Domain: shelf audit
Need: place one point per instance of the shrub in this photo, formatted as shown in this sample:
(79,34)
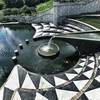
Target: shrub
(11,11)
(14,11)
(25,10)
(7,11)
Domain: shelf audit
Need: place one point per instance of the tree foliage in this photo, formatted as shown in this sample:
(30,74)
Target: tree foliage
(13,3)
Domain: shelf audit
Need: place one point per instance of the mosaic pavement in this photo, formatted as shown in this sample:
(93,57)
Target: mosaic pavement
(81,82)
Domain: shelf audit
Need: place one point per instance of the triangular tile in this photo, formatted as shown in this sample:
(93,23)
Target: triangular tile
(98,72)
(28,84)
(70,76)
(64,94)
(22,73)
(13,80)
(50,79)
(1,93)
(35,79)
(72,71)
(80,84)
(62,76)
(87,69)
(91,58)
(81,77)
(40,97)
(95,84)
(59,81)
(16,96)
(7,94)
(91,65)
(93,94)
(27,94)
(78,70)
(51,94)
(98,78)
(83,59)
(90,61)
(82,64)
(44,84)
(88,73)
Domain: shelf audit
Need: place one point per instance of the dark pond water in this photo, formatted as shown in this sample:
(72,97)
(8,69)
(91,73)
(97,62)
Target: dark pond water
(10,37)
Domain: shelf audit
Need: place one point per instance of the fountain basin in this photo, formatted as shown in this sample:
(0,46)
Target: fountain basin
(48,50)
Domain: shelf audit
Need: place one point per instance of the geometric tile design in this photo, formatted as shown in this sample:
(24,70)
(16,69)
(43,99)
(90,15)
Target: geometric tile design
(63,86)
(70,76)
(59,81)
(51,94)
(91,58)
(28,84)
(16,96)
(50,29)
(27,94)
(7,94)
(69,87)
(13,78)
(78,70)
(80,83)
(40,97)
(44,84)
(64,94)
(82,64)
(98,78)
(88,73)
(91,65)
(93,94)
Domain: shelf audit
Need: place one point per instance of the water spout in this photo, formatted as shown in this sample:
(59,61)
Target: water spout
(48,49)
(50,41)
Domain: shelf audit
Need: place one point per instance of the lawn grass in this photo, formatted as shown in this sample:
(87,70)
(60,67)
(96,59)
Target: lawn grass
(44,6)
(92,21)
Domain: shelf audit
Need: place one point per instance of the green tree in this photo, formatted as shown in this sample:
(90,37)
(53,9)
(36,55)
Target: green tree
(14,3)
(25,10)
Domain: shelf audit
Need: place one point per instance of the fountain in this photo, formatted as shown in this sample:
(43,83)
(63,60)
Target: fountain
(55,53)
(48,49)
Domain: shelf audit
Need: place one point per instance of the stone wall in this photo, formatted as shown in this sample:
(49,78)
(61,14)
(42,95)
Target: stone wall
(59,11)
(40,17)
(67,9)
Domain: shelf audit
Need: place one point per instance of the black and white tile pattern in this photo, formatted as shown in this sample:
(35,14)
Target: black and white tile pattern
(23,85)
(49,29)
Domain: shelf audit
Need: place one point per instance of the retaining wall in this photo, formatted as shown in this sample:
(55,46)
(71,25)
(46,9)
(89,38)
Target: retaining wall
(59,11)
